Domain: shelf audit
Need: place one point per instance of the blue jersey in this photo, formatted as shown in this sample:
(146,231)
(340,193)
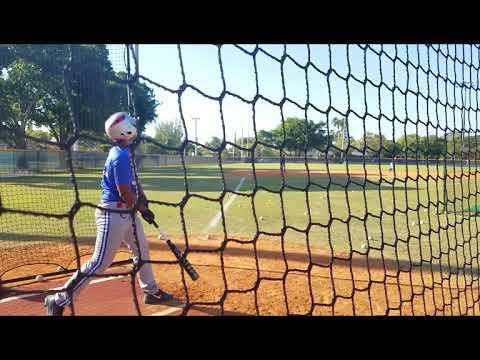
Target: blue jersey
(117,170)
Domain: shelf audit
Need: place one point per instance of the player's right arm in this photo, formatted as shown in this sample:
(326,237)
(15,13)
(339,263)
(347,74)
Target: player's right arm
(123,179)
(130,198)
(127,195)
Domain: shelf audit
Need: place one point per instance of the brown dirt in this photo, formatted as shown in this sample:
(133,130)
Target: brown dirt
(358,286)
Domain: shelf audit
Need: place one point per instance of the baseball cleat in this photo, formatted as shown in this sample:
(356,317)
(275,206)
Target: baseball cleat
(158,298)
(52,308)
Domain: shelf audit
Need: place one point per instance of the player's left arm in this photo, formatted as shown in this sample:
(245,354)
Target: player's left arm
(142,198)
(142,204)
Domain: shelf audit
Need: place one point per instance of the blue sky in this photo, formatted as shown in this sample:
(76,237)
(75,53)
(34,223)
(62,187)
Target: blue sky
(161,63)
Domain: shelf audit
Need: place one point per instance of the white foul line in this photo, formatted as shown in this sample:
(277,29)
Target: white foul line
(167,311)
(217,217)
(96,281)
(18,297)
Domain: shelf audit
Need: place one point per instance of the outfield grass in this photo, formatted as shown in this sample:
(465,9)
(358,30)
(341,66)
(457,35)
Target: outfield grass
(346,216)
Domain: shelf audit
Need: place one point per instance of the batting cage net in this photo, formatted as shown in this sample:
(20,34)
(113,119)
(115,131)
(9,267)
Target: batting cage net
(293,179)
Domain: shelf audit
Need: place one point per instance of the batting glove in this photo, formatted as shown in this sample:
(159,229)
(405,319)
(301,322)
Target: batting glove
(148,215)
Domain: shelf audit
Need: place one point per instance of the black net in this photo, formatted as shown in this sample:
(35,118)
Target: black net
(315,179)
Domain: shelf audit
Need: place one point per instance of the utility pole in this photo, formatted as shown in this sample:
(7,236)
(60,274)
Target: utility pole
(343,138)
(246,139)
(196,135)
(241,144)
(464,100)
(137,70)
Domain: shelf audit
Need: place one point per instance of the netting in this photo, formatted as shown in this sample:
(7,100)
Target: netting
(343,178)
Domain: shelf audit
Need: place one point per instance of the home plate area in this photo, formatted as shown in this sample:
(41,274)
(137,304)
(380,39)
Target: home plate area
(107,296)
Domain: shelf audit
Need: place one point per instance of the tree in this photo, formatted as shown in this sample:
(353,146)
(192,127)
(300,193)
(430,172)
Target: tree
(33,92)
(38,134)
(21,90)
(300,135)
(375,143)
(91,83)
(411,145)
(454,145)
(266,137)
(215,142)
(264,151)
(93,95)
(432,147)
(339,125)
(169,133)
(339,134)
(143,99)
(472,146)
(392,149)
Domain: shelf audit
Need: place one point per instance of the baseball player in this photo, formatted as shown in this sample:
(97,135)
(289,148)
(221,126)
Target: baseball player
(390,167)
(119,191)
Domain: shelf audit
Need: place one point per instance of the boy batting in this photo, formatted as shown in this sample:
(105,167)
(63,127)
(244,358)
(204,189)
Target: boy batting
(119,191)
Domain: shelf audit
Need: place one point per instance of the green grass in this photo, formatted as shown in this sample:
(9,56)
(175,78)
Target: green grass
(337,214)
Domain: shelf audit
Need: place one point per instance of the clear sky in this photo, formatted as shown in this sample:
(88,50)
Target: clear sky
(201,65)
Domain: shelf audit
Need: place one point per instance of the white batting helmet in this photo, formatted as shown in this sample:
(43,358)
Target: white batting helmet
(120,126)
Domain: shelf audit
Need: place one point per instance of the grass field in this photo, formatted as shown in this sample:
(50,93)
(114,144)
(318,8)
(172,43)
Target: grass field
(397,219)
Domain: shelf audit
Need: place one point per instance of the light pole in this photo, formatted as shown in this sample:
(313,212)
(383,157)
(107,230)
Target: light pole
(235,142)
(343,138)
(196,135)
(241,144)
(137,70)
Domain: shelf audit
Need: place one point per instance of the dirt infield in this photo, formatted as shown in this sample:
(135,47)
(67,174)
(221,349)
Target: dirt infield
(243,278)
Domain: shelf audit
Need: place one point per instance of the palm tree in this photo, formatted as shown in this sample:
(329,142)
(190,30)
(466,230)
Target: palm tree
(339,124)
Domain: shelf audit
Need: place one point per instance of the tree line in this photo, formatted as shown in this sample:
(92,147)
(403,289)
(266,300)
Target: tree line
(298,135)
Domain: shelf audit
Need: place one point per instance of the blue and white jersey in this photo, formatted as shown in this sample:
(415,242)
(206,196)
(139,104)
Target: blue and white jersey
(117,170)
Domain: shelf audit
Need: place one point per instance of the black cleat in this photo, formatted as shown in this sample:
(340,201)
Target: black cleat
(52,308)
(158,298)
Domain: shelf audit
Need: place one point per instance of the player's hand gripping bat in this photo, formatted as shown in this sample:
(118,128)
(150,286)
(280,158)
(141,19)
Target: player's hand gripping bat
(184,263)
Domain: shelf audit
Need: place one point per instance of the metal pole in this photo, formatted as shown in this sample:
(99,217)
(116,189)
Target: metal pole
(463,123)
(464,100)
(445,193)
(196,135)
(246,139)
(241,144)
(137,69)
(343,138)
(128,78)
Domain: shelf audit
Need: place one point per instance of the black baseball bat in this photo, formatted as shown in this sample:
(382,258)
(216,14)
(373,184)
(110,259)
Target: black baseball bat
(184,263)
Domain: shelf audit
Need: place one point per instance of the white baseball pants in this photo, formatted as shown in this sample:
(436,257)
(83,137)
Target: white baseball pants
(113,228)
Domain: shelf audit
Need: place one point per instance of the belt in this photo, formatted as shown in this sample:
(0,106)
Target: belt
(114,205)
